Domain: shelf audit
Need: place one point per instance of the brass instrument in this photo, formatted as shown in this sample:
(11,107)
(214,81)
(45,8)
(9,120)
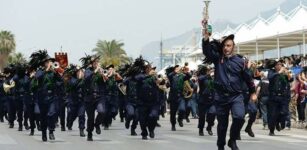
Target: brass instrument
(122,88)
(161,86)
(206,27)
(56,65)
(187,90)
(7,87)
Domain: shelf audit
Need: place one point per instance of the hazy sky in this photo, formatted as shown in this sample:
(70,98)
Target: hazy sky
(78,24)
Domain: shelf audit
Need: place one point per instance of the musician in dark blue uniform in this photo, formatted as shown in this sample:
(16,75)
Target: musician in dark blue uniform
(133,90)
(48,82)
(230,73)
(279,89)
(112,93)
(177,77)
(10,94)
(251,110)
(206,106)
(149,107)
(2,98)
(75,89)
(95,94)
(32,108)
(22,85)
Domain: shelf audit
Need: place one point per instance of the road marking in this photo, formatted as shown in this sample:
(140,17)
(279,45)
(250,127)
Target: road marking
(105,141)
(6,140)
(189,138)
(56,141)
(279,138)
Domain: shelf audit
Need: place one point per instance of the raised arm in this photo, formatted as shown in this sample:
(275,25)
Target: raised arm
(211,50)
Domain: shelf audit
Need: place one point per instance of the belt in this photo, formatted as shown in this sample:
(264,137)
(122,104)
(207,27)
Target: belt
(228,94)
(278,94)
(49,91)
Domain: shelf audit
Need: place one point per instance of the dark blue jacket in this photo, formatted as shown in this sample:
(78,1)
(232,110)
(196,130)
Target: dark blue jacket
(95,85)
(132,90)
(206,89)
(230,72)
(279,84)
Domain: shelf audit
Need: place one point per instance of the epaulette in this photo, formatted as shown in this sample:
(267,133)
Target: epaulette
(239,55)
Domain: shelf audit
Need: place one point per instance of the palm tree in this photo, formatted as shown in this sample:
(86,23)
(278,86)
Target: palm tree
(111,52)
(16,58)
(7,46)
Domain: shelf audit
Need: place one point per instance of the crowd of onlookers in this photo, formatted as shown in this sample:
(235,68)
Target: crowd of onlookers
(295,64)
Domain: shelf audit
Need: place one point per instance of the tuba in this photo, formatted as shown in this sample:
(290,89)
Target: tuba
(7,87)
(187,90)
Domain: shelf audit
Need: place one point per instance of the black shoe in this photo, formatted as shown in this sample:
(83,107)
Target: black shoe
(98,130)
(89,136)
(210,132)
(144,138)
(188,120)
(44,136)
(63,129)
(39,128)
(221,148)
(82,133)
(271,134)
(201,132)
(27,127)
(51,136)
(278,128)
(20,128)
(106,128)
(180,123)
(133,133)
(239,138)
(158,125)
(163,116)
(233,145)
(11,125)
(121,119)
(1,120)
(32,132)
(173,128)
(250,132)
(69,128)
(152,134)
(282,126)
(127,124)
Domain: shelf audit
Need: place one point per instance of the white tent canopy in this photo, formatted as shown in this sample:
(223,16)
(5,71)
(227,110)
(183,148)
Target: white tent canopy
(281,30)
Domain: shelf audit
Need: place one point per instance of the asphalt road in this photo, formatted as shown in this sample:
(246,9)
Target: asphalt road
(118,138)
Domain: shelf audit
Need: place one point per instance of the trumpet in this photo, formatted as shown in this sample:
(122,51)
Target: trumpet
(56,65)
(105,72)
(206,27)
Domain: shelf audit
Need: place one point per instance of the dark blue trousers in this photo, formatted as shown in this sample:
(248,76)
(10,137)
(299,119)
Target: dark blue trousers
(225,104)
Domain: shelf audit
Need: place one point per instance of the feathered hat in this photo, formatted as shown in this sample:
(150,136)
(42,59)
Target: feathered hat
(38,58)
